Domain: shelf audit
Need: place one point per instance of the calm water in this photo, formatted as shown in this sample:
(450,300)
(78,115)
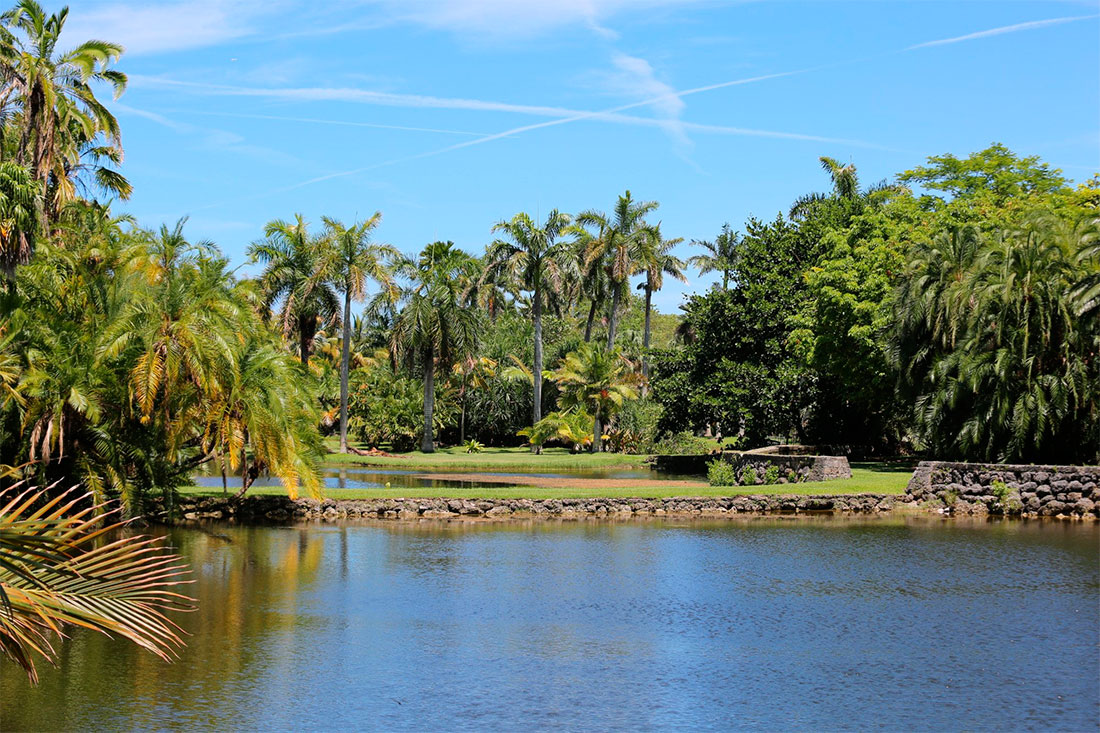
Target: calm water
(371,477)
(755,624)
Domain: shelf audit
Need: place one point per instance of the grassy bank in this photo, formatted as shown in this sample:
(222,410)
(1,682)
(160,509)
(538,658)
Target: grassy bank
(492,459)
(866,478)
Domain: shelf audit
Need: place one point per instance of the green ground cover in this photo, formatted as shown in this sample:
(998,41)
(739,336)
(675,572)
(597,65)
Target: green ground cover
(877,478)
(491,459)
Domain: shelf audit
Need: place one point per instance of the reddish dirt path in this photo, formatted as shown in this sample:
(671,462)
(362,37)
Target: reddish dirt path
(565,482)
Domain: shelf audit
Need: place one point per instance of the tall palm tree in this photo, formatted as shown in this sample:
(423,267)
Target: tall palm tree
(722,254)
(656,259)
(59,568)
(593,281)
(296,275)
(433,327)
(355,260)
(620,237)
(597,381)
(846,190)
(54,91)
(537,261)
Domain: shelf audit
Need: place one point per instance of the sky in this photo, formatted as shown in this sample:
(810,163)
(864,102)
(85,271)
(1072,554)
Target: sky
(450,115)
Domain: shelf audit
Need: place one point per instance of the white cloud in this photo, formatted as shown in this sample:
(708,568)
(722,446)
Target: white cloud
(159,27)
(1003,29)
(634,77)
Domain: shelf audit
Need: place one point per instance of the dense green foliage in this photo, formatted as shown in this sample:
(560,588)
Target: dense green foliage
(964,325)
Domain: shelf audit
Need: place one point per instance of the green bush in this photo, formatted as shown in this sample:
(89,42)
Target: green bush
(636,422)
(771,476)
(792,477)
(1000,490)
(721,473)
(748,476)
(472,446)
(684,443)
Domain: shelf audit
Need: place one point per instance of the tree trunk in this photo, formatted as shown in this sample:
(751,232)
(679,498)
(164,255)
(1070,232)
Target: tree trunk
(462,415)
(427,444)
(304,338)
(345,360)
(612,320)
(536,370)
(645,336)
(597,431)
(591,320)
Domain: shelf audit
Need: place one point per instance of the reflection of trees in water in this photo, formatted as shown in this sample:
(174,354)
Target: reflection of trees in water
(249,582)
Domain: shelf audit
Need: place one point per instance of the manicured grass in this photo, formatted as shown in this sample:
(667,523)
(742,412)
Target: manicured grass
(493,459)
(866,478)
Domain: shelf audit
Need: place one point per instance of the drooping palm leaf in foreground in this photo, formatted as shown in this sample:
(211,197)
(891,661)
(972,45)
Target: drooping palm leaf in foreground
(62,564)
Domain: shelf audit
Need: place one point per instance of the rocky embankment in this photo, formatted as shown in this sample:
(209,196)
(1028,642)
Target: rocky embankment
(1013,490)
(280,508)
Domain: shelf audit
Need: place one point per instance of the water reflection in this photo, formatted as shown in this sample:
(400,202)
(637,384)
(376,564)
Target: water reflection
(759,622)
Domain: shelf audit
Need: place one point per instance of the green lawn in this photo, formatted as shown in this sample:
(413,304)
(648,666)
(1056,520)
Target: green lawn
(875,478)
(492,459)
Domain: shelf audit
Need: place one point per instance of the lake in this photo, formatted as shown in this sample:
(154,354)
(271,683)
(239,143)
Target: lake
(754,623)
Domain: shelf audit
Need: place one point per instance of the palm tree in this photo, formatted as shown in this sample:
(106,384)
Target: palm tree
(355,260)
(597,381)
(536,261)
(59,567)
(846,190)
(617,244)
(296,274)
(20,202)
(656,258)
(593,281)
(723,255)
(433,327)
(54,92)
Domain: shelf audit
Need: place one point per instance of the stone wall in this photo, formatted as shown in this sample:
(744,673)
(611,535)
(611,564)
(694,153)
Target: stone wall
(793,468)
(1022,490)
(281,508)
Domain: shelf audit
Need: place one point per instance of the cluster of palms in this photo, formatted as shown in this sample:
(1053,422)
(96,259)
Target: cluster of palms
(434,305)
(997,335)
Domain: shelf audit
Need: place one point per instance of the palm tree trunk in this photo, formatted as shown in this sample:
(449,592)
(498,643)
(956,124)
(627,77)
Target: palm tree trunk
(645,336)
(304,339)
(597,431)
(345,359)
(462,415)
(591,320)
(536,371)
(427,444)
(612,319)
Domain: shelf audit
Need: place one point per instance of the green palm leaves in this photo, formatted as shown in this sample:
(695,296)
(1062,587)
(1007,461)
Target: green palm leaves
(722,255)
(63,564)
(597,381)
(534,259)
(434,327)
(65,131)
(989,336)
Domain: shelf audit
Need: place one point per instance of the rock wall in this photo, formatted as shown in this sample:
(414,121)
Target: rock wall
(793,468)
(281,508)
(1021,490)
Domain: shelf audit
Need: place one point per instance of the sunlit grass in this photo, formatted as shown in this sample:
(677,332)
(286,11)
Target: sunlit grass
(492,458)
(866,478)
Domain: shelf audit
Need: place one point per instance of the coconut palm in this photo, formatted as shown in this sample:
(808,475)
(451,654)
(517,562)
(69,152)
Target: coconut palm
(656,259)
(846,190)
(536,260)
(722,254)
(54,92)
(433,327)
(297,276)
(62,565)
(597,381)
(593,281)
(619,238)
(355,260)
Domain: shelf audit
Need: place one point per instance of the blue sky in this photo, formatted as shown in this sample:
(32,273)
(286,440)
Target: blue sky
(449,116)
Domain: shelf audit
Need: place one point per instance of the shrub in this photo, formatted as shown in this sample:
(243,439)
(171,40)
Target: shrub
(721,473)
(636,423)
(771,475)
(472,446)
(748,476)
(792,477)
(684,443)
(1000,490)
